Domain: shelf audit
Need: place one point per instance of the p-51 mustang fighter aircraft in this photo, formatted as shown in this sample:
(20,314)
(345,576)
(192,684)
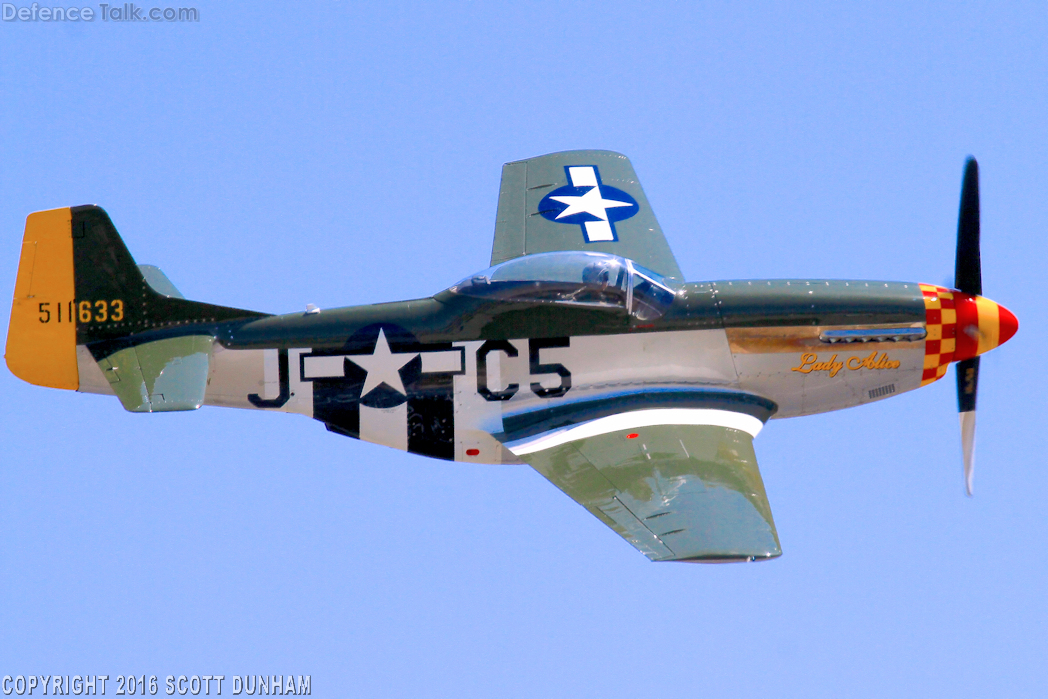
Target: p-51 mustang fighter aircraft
(581,351)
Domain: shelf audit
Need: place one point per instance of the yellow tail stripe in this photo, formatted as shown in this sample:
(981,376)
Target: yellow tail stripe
(41,339)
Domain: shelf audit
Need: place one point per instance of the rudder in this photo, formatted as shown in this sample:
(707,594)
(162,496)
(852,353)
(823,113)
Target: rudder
(41,338)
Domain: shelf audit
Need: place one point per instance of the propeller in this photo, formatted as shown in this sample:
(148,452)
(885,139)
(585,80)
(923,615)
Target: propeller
(968,279)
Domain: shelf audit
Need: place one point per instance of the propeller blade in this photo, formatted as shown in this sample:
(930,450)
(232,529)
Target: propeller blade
(968,271)
(968,278)
(967,386)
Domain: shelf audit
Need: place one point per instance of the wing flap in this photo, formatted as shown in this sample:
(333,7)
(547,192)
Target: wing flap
(584,483)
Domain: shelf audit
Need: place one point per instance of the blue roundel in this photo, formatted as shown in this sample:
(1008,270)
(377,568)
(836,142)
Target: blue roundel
(587,199)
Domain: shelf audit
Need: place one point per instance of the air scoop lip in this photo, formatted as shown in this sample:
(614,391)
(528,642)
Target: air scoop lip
(1009,324)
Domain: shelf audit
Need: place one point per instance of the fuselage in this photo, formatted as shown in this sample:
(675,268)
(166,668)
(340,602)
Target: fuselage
(440,376)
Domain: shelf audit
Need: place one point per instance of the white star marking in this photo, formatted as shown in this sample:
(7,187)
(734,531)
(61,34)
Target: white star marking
(590,203)
(383,366)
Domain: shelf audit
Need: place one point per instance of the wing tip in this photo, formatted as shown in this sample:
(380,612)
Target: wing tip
(576,151)
(733,558)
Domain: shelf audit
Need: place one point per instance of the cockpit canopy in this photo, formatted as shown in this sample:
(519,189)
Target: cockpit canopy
(592,279)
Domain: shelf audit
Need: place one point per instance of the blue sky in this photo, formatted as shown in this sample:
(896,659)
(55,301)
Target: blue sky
(346,153)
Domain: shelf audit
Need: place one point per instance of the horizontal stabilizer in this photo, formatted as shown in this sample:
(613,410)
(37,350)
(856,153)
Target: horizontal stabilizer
(158,281)
(160,376)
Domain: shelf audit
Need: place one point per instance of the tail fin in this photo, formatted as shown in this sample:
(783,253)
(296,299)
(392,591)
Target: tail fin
(77,284)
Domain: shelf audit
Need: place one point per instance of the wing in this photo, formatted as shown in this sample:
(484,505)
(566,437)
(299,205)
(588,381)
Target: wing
(677,492)
(578,200)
